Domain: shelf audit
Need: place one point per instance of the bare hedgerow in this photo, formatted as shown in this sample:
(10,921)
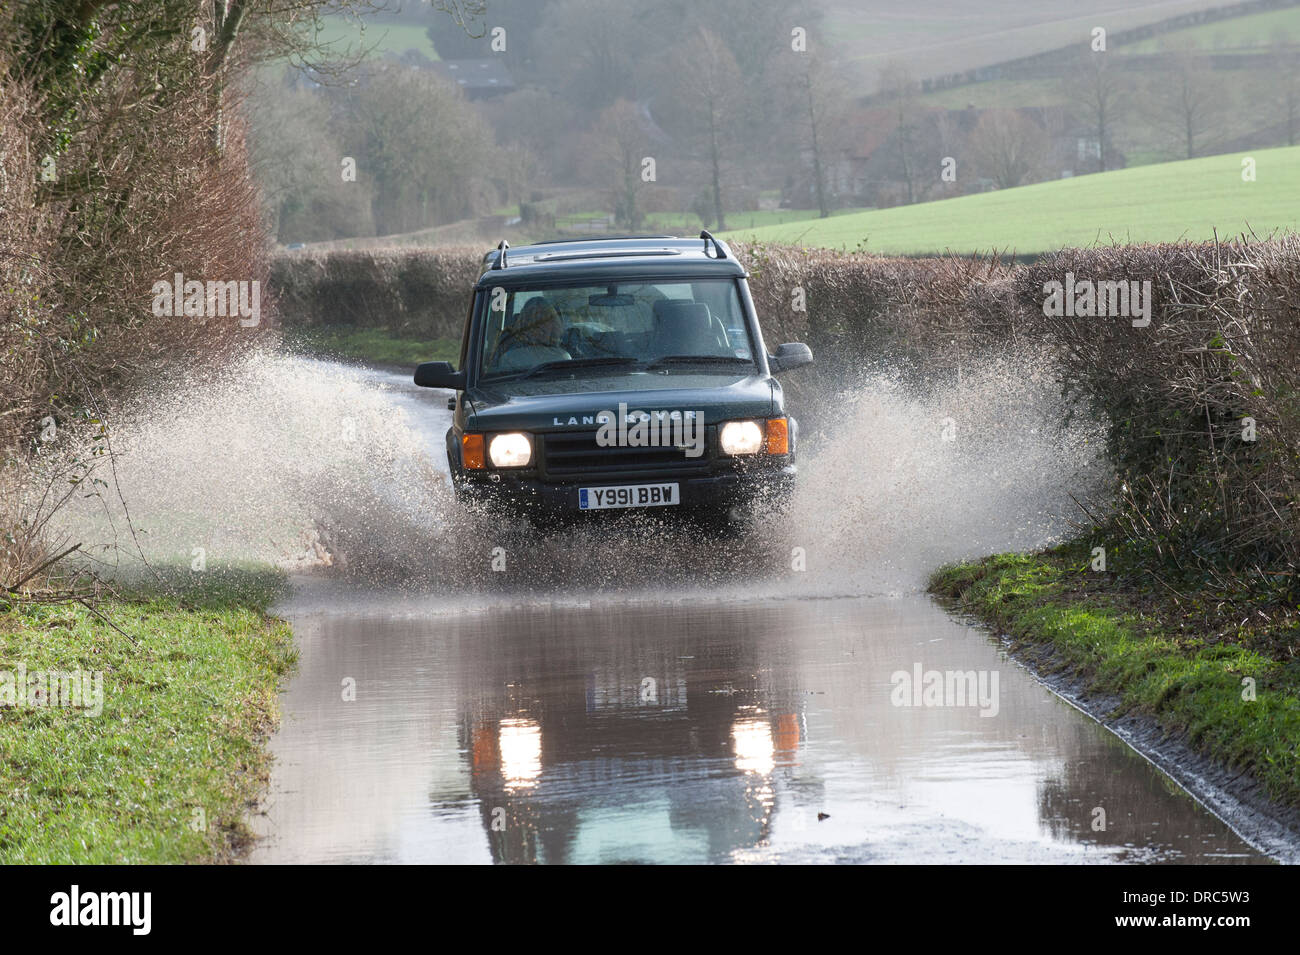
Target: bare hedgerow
(94,209)
(1203,402)
(419,293)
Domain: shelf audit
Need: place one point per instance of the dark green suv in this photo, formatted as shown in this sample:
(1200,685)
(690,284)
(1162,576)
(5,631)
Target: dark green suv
(613,373)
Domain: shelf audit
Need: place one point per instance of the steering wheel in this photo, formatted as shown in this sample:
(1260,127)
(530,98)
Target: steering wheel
(573,341)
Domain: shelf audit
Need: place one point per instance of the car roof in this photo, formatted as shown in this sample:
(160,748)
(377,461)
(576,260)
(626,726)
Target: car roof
(631,256)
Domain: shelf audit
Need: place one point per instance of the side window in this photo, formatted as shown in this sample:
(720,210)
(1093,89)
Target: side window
(724,304)
(465,333)
(494,324)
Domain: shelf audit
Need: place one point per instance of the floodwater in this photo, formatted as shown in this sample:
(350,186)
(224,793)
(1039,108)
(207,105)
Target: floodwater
(705,733)
(656,716)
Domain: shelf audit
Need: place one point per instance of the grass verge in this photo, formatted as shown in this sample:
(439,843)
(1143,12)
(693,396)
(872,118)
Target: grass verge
(1181,658)
(168,768)
(374,346)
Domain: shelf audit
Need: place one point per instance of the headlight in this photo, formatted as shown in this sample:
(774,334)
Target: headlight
(510,450)
(741,437)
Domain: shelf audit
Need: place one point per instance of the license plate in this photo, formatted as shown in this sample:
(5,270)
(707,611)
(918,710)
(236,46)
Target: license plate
(627,495)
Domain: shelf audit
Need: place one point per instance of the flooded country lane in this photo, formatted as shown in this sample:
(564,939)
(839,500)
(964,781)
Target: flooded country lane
(648,694)
(662,698)
(619,732)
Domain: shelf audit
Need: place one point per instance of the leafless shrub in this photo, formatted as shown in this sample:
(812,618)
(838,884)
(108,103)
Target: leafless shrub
(417,293)
(78,262)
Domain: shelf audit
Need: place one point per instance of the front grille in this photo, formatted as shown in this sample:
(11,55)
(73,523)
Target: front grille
(575,454)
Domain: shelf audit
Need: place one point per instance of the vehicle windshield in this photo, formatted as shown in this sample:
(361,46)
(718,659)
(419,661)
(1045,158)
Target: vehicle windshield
(544,330)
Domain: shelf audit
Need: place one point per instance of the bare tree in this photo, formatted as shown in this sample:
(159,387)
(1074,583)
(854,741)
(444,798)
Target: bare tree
(823,106)
(619,144)
(704,91)
(588,49)
(1098,88)
(296,155)
(1009,147)
(901,93)
(424,148)
(1185,101)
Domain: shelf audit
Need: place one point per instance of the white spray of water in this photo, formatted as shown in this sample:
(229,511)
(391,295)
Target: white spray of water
(303,463)
(908,478)
(260,462)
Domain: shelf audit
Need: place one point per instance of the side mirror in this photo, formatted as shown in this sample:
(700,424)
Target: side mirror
(790,355)
(439,374)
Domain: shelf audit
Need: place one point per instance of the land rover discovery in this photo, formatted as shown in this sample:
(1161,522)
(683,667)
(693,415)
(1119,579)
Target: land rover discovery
(611,373)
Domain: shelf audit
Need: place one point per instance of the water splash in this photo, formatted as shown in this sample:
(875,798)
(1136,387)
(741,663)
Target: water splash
(263,461)
(307,464)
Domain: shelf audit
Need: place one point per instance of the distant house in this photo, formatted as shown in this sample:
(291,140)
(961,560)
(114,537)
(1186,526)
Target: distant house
(867,130)
(480,79)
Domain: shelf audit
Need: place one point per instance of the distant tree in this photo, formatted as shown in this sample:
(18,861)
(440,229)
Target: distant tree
(901,92)
(539,121)
(588,50)
(758,34)
(465,33)
(619,143)
(514,169)
(821,102)
(297,161)
(1098,89)
(699,104)
(1009,147)
(1186,100)
(427,152)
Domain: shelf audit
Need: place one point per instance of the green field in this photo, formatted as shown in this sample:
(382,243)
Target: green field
(999,93)
(348,36)
(1254,31)
(760,218)
(1160,203)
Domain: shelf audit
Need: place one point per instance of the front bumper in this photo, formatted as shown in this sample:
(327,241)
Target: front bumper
(711,494)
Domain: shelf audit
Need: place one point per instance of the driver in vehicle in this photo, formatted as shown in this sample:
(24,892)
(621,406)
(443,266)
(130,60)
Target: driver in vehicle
(685,328)
(533,338)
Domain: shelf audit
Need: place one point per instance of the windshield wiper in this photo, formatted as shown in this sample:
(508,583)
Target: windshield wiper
(564,364)
(698,359)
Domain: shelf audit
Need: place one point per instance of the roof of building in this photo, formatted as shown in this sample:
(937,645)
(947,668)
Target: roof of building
(477,74)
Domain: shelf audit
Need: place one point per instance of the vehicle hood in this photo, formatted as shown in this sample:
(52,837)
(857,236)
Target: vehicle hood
(560,405)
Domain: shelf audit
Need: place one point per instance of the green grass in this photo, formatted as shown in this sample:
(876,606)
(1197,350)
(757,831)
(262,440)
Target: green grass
(1254,31)
(1143,651)
(989,94)
(348,36)
(689,223)
(1159,203)
(186,710)
(374,345)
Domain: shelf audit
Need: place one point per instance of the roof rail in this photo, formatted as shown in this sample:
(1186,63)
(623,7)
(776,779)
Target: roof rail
(500,263)
(599,238)
(708,237)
